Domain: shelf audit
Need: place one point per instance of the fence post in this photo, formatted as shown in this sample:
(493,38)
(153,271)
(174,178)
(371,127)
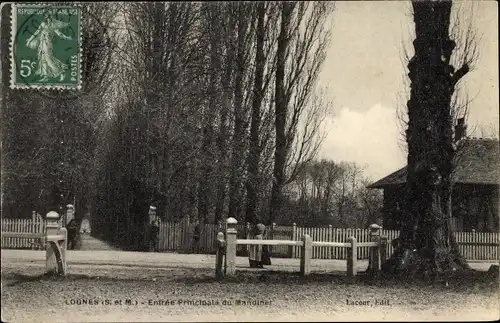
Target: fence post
(231,246)
(187,236)
(352,257)
(383,250)
(219,257)
(374,260)
(52,228)
(330,238)
(64,247)
(291,249)
(305,256)
(33,227)
(271,248)
(249,231)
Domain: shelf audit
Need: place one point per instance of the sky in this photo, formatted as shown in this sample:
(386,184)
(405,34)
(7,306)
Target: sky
(366,76)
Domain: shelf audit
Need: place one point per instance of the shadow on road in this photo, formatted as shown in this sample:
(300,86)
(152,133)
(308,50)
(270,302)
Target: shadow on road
(465,282)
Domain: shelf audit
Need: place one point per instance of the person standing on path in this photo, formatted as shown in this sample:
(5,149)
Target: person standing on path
(72,228)
(255,251)
(148,229)
(266,252)
(196,237)
(155,230)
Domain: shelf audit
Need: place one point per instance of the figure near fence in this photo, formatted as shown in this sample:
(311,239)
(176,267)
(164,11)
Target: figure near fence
(73,231)
(259,255)
(155,231)
(195,245)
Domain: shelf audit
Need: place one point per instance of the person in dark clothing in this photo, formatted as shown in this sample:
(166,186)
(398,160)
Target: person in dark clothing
(155,231)
(72,228)
(266,253)
(196,237)
(255,251)
(259,255)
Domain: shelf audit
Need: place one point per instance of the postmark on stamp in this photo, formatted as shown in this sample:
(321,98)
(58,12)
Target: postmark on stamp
(46,44)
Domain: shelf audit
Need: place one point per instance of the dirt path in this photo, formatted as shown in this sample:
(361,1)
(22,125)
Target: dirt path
(91,243)
(99,279)
(175,260)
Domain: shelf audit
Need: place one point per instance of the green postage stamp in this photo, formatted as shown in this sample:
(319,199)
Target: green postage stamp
(46,46)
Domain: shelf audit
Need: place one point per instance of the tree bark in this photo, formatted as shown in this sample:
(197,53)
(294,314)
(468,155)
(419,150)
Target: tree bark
(425,233)
(208,131)
(254,152)
(240,125)
(281,107)
(222,139)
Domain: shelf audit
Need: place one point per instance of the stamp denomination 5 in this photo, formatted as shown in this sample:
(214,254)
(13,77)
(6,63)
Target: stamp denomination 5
(46,46)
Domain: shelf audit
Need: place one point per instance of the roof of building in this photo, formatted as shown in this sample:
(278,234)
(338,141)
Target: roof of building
(477,162)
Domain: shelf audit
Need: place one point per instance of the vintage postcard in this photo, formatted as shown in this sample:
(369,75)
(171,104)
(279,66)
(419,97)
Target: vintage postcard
(250,161)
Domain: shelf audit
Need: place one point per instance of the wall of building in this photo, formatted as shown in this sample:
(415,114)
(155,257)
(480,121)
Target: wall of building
(474,207)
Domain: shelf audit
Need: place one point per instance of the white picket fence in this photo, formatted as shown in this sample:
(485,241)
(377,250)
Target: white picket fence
(178,237)
(34,225)
(475,246)
(22,226)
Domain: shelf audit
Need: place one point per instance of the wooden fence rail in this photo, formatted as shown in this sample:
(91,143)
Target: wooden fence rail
(227,245)
(475,246)
(22,226)
(178,237)
(53,239)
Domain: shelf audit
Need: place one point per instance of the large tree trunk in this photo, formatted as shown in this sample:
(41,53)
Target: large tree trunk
(226,103)
(281,107)
(207,152)
(254,153)
(426,240)
(239,140)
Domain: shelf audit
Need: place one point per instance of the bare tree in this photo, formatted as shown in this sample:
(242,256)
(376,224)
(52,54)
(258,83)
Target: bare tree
(301,49)
(370,201)
(227,91)
(259,157)
(254,143)
(213,24)
(242,92)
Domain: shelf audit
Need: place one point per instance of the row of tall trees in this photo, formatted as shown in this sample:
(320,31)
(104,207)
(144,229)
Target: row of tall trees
(49,138)
(203,110)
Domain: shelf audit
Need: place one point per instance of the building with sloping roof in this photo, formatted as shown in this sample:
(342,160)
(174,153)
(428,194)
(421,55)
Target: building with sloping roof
(475,198)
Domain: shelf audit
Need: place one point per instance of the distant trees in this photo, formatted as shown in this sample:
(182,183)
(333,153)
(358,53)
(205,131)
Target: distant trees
(325,192)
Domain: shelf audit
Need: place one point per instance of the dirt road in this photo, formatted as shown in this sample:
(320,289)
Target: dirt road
(175,287)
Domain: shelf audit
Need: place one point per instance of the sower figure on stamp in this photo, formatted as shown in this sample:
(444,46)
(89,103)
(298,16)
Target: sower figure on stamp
(42,41)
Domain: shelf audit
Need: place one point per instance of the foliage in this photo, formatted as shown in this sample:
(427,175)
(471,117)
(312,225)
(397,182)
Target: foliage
(179,111)
(325,192)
